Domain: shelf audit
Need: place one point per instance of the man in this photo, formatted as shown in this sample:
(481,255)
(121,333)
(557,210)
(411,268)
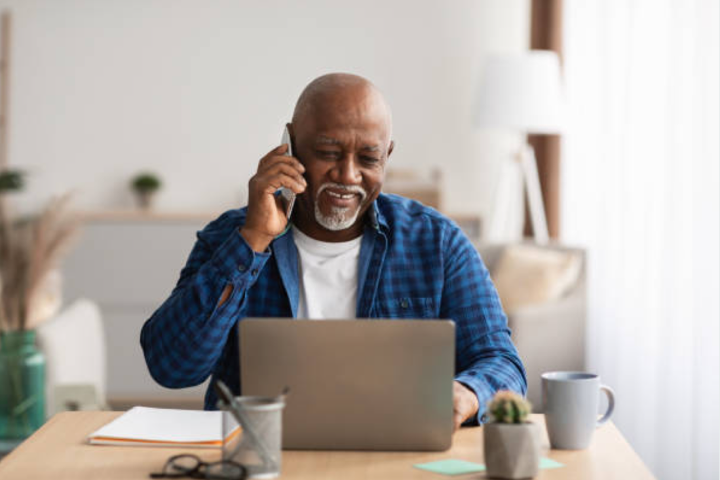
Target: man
(349,252)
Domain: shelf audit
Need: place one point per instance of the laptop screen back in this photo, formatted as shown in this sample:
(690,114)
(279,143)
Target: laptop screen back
(354,384)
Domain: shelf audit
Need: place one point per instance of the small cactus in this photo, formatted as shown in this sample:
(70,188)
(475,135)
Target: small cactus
(509,407)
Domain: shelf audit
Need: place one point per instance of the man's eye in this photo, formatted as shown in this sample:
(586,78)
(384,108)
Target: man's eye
(367,159)
(328,154)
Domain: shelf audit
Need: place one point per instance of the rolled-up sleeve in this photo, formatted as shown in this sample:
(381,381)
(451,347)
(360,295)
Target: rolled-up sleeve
(185,336)
(486,359)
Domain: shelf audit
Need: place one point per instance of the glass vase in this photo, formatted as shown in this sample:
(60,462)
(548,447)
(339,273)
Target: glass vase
(22,385)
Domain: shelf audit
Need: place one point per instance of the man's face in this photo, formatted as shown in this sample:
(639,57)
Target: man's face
(344,145)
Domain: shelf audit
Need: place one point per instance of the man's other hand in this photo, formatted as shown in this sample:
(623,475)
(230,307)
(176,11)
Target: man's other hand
(465,403)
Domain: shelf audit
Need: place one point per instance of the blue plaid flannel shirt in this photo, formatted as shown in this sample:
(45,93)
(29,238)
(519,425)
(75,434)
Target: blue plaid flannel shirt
(414,263)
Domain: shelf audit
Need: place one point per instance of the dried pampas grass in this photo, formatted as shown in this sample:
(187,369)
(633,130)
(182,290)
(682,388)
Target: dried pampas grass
(30,249)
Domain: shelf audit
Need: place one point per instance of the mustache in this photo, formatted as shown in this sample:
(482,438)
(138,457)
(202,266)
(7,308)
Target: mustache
(344,188)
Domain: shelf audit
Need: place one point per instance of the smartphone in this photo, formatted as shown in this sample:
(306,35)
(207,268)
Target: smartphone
(288,196)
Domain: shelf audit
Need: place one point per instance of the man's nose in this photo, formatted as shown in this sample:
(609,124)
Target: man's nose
(346,171)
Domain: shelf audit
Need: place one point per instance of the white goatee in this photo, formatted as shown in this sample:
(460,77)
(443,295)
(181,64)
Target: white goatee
(339,218)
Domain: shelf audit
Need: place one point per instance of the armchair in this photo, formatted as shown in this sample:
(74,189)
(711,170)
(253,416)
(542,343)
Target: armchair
(549,335)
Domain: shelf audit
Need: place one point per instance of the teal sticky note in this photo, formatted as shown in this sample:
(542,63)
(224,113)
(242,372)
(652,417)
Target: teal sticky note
(451,467)
(462,467)
(549,463)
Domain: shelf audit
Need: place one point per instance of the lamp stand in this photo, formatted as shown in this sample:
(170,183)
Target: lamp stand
(531,179)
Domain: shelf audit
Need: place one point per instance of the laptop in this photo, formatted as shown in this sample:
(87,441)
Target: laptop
(354,384)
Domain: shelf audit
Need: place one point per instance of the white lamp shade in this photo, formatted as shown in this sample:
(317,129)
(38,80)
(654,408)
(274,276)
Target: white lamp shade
(521,92)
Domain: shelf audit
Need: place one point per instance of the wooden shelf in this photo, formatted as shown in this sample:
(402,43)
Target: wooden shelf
(471,223)
(135,215)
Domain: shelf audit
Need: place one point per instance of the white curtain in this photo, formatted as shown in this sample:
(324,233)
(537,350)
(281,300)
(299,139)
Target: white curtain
(640,191)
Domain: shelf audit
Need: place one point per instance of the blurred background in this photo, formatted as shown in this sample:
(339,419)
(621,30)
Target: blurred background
(576,142)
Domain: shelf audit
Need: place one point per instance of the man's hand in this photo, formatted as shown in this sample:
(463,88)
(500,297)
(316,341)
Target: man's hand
(265,214)
(465,403)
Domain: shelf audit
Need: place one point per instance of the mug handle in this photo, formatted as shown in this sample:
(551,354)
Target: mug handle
(611,404)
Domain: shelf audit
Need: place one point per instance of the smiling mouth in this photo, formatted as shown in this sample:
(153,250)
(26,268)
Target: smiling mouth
(345,196)
(341,200)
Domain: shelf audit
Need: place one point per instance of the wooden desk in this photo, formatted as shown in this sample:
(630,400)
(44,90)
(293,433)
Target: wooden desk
(58,451)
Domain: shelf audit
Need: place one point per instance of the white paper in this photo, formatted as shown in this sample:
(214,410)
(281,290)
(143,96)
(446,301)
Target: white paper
(162,425)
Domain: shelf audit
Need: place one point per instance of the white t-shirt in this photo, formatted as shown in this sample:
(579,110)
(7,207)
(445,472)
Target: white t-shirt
(328,277)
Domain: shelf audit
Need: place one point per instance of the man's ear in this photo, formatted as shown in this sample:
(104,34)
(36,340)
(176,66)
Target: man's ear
(391,147)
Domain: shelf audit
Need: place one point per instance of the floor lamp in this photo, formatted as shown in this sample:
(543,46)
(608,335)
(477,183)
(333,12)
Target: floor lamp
(523,93)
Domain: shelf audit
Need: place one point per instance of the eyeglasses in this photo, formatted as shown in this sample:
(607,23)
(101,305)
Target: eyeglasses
(187,465)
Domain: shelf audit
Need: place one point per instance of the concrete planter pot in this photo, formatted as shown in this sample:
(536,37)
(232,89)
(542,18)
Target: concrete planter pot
(145,199)
(511,450)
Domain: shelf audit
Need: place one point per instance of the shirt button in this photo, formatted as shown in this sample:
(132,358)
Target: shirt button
(404,303)
(255,272)
(242,268)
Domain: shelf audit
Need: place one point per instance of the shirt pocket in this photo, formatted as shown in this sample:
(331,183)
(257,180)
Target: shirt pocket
(405,307)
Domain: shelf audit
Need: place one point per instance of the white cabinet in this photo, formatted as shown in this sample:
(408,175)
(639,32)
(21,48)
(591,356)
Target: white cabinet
(129,263)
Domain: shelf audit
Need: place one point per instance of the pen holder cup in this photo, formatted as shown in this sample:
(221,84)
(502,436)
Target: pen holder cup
(257,446)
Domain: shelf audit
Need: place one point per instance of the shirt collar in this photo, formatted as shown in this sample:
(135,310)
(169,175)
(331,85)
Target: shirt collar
(375,217)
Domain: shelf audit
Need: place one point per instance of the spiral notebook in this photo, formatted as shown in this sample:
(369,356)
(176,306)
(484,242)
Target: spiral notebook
(163,427)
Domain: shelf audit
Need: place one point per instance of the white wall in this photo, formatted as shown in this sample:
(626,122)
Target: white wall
(199,91)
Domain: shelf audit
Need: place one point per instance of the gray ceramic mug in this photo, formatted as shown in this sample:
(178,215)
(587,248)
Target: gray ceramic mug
(570,403)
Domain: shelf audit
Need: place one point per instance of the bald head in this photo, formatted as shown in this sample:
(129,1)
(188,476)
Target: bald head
(341,91)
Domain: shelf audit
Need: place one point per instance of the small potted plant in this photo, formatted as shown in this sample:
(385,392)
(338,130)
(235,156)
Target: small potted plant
(511,443)
(11,181)
(145,185)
